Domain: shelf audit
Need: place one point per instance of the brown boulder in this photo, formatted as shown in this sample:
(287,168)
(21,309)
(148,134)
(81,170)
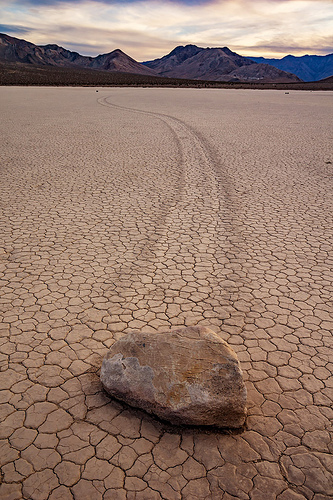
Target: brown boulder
(186,376)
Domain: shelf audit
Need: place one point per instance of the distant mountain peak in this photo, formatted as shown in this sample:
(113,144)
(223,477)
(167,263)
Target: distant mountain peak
(308,68)
(174,58)
(118,51)
(182,47)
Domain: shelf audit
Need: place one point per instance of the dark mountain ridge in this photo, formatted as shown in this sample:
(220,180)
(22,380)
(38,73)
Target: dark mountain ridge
(308,68)
(14,50)
(216,64)
(176,56)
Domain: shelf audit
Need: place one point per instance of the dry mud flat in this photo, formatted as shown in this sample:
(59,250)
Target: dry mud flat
(149,208)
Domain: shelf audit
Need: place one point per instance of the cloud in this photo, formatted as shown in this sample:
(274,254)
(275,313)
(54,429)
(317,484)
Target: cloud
(147,29)
(99,41)
(321,46)
(14,28)
(119,3)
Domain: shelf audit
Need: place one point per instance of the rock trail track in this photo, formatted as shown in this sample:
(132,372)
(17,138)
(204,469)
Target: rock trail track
(143,209)
(195,224)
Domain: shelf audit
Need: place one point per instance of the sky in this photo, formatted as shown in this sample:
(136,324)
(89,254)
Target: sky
(148,29)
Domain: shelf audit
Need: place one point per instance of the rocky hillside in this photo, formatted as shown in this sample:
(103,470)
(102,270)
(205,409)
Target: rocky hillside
(308,68)
(14,50)
(218,64)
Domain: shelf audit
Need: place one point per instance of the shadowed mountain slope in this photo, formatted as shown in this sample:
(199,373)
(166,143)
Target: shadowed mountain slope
(327,80)
(219,64)
(308,68)
(176,57)
(45,74)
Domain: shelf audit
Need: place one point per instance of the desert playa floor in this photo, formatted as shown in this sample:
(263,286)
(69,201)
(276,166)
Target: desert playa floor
(140,209)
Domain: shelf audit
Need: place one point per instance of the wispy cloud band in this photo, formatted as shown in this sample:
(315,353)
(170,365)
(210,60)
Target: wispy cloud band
(146,29)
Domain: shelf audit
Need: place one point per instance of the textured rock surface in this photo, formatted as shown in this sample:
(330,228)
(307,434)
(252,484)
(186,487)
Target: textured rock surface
(188,375)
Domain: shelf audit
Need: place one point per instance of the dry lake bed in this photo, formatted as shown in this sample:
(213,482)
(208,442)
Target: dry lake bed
(142,209)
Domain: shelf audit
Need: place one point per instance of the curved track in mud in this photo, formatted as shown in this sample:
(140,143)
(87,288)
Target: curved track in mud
(189,247)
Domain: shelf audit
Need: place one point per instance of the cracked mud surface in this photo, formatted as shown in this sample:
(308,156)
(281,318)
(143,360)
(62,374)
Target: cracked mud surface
(141,209)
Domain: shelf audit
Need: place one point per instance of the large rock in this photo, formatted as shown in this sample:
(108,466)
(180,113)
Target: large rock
(186,376)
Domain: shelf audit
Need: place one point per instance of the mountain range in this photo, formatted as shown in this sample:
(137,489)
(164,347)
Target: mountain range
(216,64)
(14,50)
(185,62)
(307,68)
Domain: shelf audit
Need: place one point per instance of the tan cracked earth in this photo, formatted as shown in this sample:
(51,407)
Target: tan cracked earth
(141,209)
